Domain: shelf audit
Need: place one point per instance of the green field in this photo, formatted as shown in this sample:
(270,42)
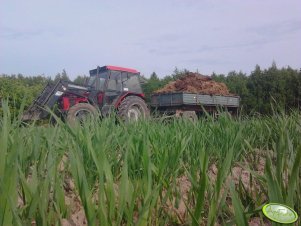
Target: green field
(155,172)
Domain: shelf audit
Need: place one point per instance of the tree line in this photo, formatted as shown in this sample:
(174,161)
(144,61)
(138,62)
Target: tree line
(266,89)
(260,91)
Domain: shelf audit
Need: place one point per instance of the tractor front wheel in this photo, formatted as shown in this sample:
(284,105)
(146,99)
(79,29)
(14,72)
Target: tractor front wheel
(133,108)
(81,112)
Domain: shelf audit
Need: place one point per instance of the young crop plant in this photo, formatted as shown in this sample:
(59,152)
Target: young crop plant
(151,172)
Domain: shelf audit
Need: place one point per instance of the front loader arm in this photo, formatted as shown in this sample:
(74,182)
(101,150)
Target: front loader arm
(47,99)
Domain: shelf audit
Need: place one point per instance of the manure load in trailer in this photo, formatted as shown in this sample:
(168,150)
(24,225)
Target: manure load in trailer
(196,83)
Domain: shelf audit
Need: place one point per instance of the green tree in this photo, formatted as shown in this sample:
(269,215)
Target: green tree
(19,88)
(62,76)
(152,84)
(80,79)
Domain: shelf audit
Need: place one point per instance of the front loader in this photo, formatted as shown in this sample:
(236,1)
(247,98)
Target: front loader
(108,89)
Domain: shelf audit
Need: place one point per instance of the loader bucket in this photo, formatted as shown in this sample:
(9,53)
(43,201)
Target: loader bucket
(34,113)
(47,99)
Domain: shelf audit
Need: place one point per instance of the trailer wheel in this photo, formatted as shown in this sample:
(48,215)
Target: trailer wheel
(191,115)
(80,112)
(133,108)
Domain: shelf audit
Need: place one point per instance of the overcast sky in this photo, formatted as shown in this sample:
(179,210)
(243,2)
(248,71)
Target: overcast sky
(44,37)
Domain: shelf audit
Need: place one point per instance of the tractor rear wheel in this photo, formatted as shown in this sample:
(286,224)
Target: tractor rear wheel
(133,108)
(80,112)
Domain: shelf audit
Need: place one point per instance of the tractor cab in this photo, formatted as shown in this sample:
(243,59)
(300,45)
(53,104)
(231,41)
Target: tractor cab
(114,79)
(108,85)
(109,88)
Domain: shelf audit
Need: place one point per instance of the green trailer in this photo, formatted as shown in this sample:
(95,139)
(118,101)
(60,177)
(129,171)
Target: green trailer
(192,105)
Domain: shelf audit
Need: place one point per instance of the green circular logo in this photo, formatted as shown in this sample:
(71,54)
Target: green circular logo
(280,213)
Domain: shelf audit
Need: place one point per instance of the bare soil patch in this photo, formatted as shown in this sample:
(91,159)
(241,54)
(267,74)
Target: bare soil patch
(175,207)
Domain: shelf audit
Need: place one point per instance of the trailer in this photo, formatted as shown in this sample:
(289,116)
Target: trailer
(193,105)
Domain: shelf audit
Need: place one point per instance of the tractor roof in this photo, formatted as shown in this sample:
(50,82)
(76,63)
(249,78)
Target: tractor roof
(116,68)
(113,68)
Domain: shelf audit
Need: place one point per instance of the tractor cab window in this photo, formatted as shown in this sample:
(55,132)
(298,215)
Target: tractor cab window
(131,82)
(101,85)
(114,83)
(97,82)
(102,78)
(91,81)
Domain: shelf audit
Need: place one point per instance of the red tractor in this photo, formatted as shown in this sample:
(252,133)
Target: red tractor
(108,89)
